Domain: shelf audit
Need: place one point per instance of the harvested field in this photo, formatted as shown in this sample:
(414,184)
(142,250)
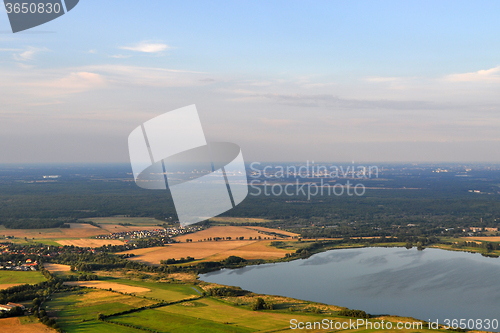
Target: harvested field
(486,239)
(13,325)
(226,231)
(207,251)
(106,285)
(87,242)
(278,231)
(8,285)
(81,231)
(77,231)
(256,250)
(81,226)
(54,268)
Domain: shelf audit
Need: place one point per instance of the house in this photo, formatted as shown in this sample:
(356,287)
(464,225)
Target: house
(16,304)
(5,308)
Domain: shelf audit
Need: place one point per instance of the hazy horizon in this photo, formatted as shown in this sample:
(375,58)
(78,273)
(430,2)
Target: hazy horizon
(388,82)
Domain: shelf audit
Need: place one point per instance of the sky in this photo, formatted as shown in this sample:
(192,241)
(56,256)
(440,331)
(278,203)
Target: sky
(332,81)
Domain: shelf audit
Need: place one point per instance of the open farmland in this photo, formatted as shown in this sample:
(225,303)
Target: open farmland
(277,231)
(13,278)
(74,308)
(86,242)
(207,251)
(123,288)
(78,231)
(485,239)
(11,325)
(230,231)
(160,291)
(79,234)
(56,268)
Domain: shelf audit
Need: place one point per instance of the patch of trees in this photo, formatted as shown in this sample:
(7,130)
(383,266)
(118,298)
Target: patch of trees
(36,223)
(354,313)
(260,304)
(234,260)
(176,261)
(227,292)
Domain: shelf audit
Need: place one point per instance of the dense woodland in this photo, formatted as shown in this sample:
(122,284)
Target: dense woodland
(427,201)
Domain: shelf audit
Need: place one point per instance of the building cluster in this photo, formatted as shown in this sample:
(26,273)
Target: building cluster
(29,265)
(139,234)
(9,306)
(479,229)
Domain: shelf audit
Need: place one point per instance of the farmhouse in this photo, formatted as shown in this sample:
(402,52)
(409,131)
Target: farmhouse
(5,308)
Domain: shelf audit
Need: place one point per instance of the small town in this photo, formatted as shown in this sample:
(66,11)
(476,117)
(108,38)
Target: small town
(139,234)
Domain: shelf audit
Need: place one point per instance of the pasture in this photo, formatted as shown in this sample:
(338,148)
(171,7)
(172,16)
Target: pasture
(74,308)
(13,278)
(162,321)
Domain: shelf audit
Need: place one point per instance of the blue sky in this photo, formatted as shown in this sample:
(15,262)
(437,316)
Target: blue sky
(387,81)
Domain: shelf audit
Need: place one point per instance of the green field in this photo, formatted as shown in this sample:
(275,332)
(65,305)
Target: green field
(165,322)
(76,308)
(11,277)
(211,309)
(161,291)
(78,311)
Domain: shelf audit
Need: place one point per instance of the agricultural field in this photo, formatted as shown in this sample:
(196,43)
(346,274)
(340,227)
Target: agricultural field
(13,278)
(234,233)
(122,288)
(79,234)
(86,242)
(162,321)
(78,311)
(210,309)
(207,251)
(167,292)
(485,239)
(56,268)
(23,325)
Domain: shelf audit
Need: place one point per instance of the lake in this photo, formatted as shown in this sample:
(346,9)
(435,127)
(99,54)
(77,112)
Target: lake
(429,285)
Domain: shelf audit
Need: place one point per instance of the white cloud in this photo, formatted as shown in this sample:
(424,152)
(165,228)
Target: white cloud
(485,75)
(147,47)
(28,54)
(119,56)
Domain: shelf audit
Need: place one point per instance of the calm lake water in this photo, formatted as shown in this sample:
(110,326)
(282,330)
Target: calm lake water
(430,284)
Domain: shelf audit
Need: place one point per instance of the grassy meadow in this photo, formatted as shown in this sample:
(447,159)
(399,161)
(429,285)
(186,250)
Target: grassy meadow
(9,278)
